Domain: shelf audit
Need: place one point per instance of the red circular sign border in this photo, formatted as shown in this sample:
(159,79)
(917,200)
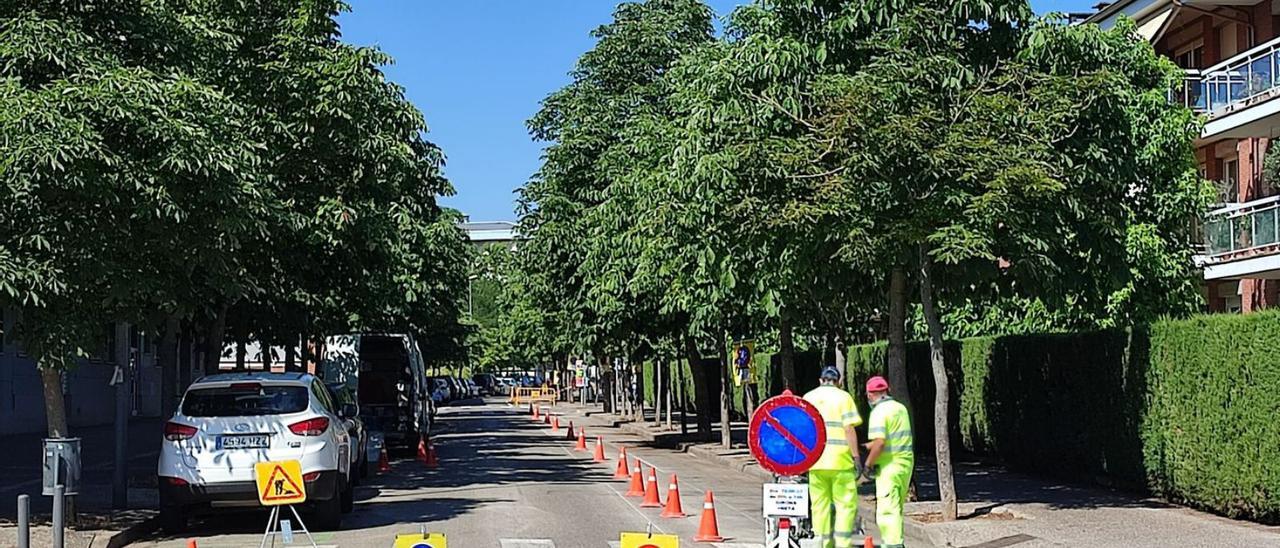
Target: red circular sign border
(757,421)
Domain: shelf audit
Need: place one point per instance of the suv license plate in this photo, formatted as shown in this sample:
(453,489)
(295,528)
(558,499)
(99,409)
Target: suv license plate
(252,441)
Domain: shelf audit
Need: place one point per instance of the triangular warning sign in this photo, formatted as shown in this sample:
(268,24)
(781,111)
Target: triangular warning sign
(280,486)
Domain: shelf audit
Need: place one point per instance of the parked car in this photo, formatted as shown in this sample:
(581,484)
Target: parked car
(487,384)
(473,389)
(390,379)
(459,391)
(227,423)
(345,398)
(440,390)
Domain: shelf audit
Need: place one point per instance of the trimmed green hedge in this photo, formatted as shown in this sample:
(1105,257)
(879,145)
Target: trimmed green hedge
(1186,409)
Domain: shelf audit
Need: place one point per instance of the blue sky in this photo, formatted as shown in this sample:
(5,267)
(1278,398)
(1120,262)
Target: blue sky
(478,68)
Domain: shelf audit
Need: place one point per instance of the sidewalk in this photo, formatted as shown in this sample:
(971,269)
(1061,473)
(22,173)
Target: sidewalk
(20,473)
(1003,508)
(1000,508)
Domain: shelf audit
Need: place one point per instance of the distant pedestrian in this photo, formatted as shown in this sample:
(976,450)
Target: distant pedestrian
(833,479)
(890,459)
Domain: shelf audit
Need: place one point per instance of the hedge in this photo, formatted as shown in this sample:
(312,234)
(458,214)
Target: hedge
(1185,409)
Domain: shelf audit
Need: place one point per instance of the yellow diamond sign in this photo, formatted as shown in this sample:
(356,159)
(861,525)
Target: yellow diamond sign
(280,482)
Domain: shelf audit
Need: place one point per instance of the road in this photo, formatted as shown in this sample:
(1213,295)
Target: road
(505,481)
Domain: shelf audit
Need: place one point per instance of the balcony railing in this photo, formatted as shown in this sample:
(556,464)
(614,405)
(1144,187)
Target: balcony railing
(1233,81)
(1242,227)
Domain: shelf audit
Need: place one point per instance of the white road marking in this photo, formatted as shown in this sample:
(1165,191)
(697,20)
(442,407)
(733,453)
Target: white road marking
(526,543)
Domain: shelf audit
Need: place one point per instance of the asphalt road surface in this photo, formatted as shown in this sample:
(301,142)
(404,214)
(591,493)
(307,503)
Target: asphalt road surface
(506,482)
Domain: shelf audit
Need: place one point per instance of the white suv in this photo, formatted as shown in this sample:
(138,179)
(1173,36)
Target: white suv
(229,422)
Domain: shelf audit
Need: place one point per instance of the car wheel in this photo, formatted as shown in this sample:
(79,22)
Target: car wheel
(347,498)
(329,514)
(173,519)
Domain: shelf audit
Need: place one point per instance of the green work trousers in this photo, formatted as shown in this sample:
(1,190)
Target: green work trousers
(838,489)
(892,483)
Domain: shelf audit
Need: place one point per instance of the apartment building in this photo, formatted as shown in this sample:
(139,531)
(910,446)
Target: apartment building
(1230,51)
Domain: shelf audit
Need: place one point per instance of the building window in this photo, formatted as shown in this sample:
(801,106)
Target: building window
(1190,58)
(1229,182)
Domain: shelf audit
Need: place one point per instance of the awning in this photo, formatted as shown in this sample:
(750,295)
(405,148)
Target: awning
(1155,25)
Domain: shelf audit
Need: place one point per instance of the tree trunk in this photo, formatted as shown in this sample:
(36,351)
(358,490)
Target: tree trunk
(942,441)
(897,336)
(683,399)
(838,347)
(168,362)
(213,341)
(787,349)
(637,377)
(55,407)
(701,389)
(657,392)
(669,387)
(726,400)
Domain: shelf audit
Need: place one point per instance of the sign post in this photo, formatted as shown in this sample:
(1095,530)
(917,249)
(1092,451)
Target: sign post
(649,540)
(280,484)
(787,436)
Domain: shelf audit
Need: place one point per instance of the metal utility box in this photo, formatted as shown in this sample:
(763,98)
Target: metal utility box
(61,465)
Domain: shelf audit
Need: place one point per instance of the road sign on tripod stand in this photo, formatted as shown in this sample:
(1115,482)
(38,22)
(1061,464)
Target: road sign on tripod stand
(787,436)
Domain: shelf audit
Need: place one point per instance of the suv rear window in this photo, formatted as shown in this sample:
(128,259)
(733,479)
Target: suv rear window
(241,401)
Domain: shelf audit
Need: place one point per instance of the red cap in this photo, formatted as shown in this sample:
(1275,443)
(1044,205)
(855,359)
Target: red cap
(877,384)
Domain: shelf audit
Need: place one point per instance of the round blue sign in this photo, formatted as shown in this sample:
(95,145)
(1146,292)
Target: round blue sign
(787,435)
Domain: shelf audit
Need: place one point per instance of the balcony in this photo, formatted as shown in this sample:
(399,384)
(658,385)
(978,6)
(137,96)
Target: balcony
(1237,94)
(1243,241)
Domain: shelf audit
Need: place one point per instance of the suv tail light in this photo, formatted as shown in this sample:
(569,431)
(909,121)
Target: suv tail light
(175,431)
(311,476)
(310,427)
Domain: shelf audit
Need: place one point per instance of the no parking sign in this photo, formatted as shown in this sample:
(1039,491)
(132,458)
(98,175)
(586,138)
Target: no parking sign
(787,435)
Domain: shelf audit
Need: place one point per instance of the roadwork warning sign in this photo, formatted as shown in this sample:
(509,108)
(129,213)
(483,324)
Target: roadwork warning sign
(280,483)
(645,540)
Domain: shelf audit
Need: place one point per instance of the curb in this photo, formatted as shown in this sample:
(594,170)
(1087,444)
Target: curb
(919,534)
(134,532)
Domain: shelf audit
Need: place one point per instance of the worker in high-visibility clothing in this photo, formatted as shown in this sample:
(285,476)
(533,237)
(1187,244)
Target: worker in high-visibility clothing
(890,459)
(833,478)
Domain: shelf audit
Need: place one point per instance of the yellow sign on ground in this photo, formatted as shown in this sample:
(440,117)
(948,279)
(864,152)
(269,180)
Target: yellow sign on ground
(418,540)
(645,540)
(280,482)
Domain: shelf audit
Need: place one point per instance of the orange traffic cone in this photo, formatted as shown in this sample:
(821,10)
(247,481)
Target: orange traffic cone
(582,440)
(599,455)
(546,418)
(868,543)
(191,543)
(637,481)
(708,530)
(569,434)
(428,457)
(673,508)
(651,499)
(422,451)
(555,424)
(384,465)
(535,411)
(621,472)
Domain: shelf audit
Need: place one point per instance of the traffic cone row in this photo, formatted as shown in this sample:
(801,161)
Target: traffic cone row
(647,489)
